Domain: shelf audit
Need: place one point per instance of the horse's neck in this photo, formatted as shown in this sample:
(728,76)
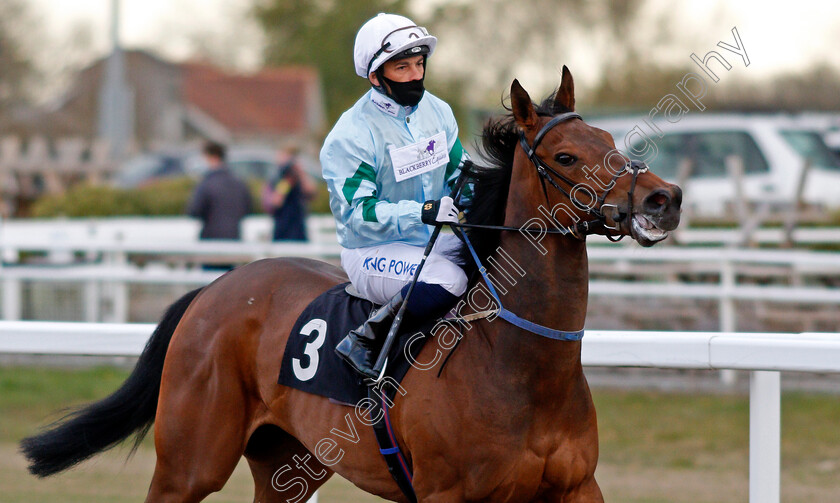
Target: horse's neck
(552,292)
(554,289)
(548,285)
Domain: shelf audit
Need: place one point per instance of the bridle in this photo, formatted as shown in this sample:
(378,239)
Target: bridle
(579,231)
(547,174)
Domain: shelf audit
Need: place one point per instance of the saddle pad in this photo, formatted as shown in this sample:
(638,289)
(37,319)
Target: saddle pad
(309,361)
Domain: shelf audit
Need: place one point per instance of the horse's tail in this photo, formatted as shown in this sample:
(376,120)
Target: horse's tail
(101,425)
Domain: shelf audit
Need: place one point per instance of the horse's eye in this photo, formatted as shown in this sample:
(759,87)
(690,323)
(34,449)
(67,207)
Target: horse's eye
(565,159)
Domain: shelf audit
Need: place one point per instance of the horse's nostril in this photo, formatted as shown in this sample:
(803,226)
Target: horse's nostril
(657,201)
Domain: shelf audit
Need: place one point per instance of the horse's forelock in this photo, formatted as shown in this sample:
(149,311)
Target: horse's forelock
(550,107)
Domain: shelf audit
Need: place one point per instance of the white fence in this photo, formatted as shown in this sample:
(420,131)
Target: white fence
(795,266)
(108,278)
(106,255)
(764,355)
(91,234)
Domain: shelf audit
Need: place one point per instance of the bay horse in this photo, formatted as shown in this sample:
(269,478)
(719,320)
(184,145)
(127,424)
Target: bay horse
(509,419)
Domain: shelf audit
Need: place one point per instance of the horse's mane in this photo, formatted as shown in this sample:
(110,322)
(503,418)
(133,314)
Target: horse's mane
(489,185)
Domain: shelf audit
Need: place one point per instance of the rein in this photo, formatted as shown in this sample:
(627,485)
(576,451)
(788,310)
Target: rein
(510,317)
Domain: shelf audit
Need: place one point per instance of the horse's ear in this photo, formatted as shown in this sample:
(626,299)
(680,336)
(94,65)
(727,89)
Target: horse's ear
(523,108)
(564,100)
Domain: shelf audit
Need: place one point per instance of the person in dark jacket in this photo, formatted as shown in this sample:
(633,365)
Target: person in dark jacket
(221,200)
(284,197)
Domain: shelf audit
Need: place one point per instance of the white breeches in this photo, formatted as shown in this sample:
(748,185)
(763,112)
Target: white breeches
(379,272)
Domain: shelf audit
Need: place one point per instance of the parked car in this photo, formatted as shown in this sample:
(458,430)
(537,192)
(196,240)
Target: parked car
(146,168)
(246,162)
(774,151)
(826,123)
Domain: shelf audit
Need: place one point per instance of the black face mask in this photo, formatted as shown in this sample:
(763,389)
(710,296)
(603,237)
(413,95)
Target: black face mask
(407,94)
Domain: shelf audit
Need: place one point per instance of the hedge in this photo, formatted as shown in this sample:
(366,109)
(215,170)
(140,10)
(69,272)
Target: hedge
(168,197)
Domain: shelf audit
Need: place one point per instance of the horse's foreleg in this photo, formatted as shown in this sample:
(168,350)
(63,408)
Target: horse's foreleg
(586,492)
(283,469)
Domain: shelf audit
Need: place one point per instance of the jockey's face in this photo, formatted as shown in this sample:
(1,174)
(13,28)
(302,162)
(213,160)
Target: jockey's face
(402,70)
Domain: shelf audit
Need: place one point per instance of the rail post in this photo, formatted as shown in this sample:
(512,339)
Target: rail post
(765,436)
(12,305)
(727,311)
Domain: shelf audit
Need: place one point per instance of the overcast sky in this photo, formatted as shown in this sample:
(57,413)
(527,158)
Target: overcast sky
(778,36)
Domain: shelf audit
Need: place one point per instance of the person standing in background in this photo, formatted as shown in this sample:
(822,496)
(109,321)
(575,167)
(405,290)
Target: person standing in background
(221,200)
(285,195)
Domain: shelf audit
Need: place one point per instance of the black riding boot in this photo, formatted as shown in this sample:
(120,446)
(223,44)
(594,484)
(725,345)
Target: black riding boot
(361,346)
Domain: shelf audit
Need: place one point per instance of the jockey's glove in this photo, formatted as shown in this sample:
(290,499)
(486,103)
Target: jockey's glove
(440,211)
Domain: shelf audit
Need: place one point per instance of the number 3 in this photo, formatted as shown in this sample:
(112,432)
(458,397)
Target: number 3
(311,349)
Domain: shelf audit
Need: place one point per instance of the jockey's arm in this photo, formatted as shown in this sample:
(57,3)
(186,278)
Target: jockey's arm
(355,203)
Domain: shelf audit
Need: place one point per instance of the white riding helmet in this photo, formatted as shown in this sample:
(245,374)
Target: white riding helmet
(385,36)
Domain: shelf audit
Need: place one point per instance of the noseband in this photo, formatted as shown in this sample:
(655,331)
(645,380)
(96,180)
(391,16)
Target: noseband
(547,174)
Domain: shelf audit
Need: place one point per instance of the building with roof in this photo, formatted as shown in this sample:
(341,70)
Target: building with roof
(172,104)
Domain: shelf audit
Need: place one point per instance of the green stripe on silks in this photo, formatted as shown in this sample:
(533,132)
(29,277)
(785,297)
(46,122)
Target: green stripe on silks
(454,159)
(351,185)
(369,209)
(467,193)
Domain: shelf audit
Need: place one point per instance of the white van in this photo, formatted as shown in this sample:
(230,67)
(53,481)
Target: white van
(773,149)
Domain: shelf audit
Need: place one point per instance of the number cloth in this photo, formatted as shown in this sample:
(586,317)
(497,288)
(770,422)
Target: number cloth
(310,363)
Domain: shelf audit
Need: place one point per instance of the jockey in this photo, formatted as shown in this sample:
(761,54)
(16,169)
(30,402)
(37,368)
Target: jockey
(390,162)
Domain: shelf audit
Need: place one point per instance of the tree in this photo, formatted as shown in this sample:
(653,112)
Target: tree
(321,33)
(497,40)
(17,70)
(634,85)
(814,88)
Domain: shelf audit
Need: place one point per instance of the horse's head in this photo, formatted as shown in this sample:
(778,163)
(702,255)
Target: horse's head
(576,173)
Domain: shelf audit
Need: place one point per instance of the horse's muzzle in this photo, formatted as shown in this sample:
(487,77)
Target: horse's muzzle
(658,214)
